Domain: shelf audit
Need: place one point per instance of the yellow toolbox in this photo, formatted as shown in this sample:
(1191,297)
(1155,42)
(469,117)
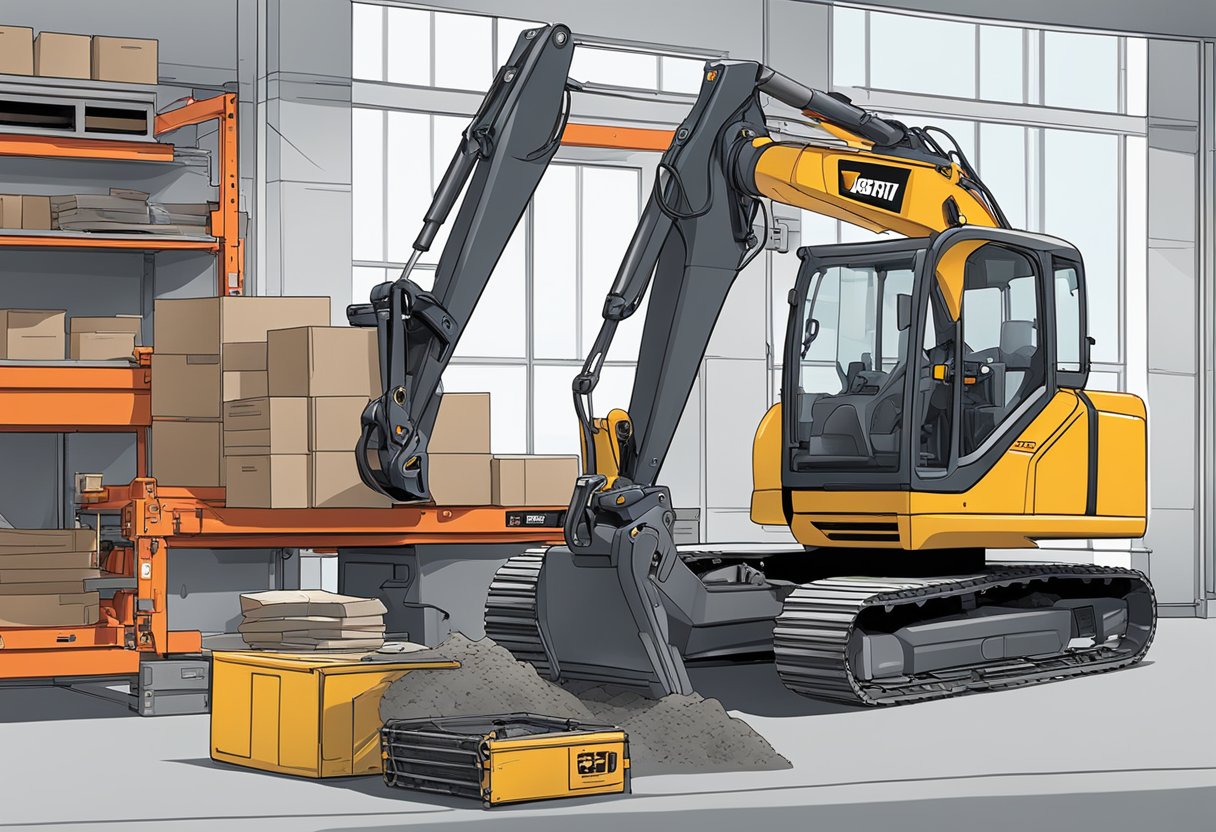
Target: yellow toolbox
(505,759)
(311,715)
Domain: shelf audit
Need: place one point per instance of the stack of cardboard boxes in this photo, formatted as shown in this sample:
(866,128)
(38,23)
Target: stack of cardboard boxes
(293,445)
(258,395)
(42,575)
(208,350)
(311,619)
(464,472)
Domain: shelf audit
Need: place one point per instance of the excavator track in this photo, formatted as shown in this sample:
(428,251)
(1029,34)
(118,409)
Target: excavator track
(812,635)
(511,618)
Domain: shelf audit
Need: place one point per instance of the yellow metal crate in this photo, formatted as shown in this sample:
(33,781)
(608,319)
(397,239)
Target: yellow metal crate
(311,715)
(505,759)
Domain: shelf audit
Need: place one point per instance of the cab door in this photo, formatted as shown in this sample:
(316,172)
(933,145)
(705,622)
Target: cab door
(989,365)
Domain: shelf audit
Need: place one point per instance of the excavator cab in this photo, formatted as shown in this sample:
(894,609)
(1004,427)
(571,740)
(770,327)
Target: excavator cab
(965,331)
(953,367)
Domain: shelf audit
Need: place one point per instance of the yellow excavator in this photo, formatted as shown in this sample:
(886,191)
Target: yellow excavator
(932,408)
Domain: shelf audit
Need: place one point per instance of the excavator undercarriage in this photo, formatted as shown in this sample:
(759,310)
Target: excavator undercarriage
(854,639)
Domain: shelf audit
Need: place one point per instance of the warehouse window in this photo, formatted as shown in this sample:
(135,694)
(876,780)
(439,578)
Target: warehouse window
(636,70)
(423,48)
(936,56)
(456,51)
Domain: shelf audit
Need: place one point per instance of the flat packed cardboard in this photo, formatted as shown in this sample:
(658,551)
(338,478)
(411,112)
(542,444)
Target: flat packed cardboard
(186,386)
(67,610)
(32,334)
(35,212)
(336,483)
(47,560)
(202,326)
(57,55)
(187,453)
(369,623)
(462,425)
(127,60)
(255,427)
(533,480)
(47,541)
(244,357)
(282,603)
(10,211)
(323,361)
(31,576)
(460,479)
(16,50)
(243,384)
(334,422)
(100,346)
(279,481)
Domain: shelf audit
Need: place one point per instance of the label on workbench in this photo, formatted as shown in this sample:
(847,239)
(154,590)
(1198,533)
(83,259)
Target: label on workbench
(536,519)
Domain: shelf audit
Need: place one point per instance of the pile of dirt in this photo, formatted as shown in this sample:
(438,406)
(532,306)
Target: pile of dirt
(673,735)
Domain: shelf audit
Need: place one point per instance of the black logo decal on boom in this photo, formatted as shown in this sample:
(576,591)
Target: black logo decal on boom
(879,185)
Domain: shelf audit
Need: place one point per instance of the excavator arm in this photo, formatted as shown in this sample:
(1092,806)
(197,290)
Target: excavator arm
(696,234)
(501,157)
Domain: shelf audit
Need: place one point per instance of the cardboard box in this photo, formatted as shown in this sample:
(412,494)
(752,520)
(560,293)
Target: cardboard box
(270,481)
(32,334)
(57,55)
(336,483)
(459,479)
(85,559)
(203,326)
(36,212)
(244,357)
(187,453)
(533,480)
(334,422)
(186,386)
(323,361)
(67,610)
(100,346)
(262,426)
(244,384)
(103,338)
(127,60)
(462,425)
(10,211)
(16,50)
(46,541)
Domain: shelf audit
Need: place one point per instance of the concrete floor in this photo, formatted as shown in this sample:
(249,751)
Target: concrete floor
(1128,750)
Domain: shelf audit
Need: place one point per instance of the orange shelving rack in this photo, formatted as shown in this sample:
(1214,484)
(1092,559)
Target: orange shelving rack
(67,398)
